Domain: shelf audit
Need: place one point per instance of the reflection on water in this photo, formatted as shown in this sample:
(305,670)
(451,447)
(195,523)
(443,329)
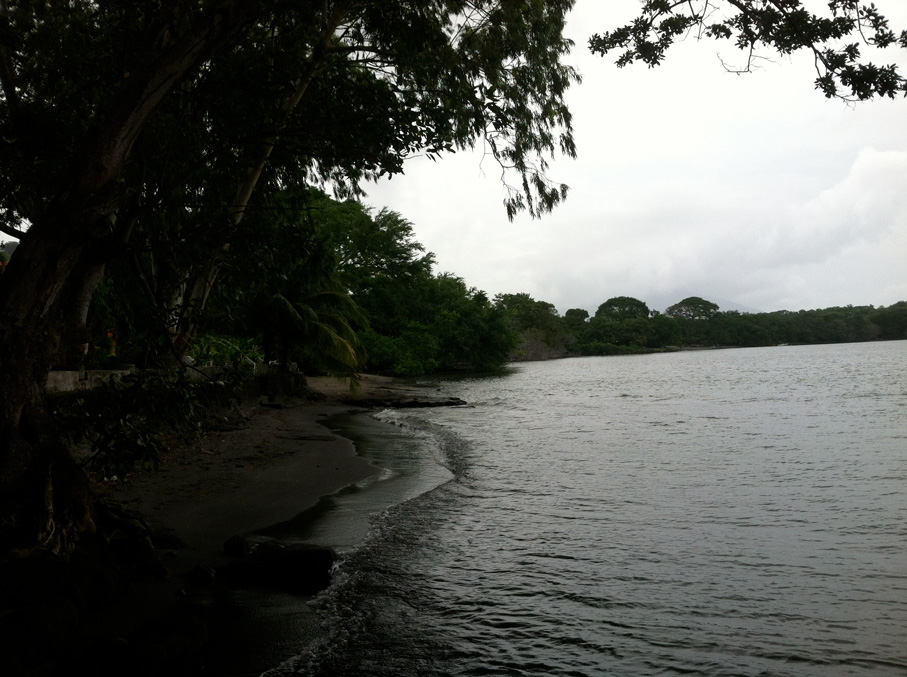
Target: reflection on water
(719,513)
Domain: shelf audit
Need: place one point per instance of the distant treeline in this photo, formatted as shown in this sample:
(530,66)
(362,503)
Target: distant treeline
(340,289)
(625,325)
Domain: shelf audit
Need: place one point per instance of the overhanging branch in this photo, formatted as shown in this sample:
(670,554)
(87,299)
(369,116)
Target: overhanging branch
(12,232)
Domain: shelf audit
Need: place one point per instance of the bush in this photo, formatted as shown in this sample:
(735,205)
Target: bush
(125,420)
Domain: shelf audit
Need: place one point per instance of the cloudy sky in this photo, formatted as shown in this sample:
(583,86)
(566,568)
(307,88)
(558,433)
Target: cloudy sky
(752,191)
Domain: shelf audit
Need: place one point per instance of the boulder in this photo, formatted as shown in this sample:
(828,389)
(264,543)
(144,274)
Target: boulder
(269,563)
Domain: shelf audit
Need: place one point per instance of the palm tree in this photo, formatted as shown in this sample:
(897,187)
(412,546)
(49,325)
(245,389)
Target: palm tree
(320,324)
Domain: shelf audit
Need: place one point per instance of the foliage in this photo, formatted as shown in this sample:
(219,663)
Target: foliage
(776,26)
(474,333)
(119,327)
(693,313)
(621,324)
(220,351)
(437,324)
(337,287)
(283,290)
(125,419)
(316,329)
(693,308)
(623,308)
(410,77)
(695,321)
(138,135)
(575,320)
(418,322)
(891,321)
(235,357)
(542,334)
(411,352)
(663,331)
(598,348)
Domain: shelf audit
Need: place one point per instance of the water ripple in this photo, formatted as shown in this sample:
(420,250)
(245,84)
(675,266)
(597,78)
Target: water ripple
(710,513)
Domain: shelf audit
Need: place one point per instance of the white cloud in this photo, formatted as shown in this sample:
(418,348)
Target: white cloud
(689,181)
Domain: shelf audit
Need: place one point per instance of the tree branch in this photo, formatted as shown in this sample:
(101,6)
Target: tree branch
(12,231)
(7,81)
(115,132)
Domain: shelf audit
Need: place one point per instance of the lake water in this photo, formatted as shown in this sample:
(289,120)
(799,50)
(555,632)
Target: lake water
(722,512)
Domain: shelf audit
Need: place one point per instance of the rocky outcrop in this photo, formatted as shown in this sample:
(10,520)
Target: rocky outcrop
(405,402)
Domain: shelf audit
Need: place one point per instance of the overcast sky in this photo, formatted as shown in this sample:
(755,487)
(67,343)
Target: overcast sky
(753,190)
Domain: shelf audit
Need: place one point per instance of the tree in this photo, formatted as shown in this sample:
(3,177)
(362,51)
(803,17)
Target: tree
(69,125)
(285,290)
(82,85)
(263,124)
(693,308)
(664,331)
(575,319)
(438,324)
(892,321)
(472,331)
(537,323)
(773,26)
(93,93)
(623,308)
(693,313)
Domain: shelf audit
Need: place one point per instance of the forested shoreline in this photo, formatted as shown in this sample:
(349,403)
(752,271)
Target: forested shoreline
(624,325)
(340,288)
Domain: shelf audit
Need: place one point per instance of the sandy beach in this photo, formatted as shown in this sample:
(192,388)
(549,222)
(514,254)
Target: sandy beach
(265,469)
(180,615)
(272,466)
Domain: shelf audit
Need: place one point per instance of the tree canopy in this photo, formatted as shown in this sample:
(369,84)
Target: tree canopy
(623,307)
(697,322)
(144,132)
(836,38)
(537,323)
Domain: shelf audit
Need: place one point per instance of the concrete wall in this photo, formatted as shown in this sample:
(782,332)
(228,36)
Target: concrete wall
(72,381)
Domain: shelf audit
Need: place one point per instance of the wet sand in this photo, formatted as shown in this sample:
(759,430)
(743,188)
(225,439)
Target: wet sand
(264,470)
(274,465)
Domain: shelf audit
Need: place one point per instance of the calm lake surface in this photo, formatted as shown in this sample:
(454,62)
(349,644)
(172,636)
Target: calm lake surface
(722,512)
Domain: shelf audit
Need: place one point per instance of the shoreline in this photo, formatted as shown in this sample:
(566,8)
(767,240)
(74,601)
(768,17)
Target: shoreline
(169,607)
(280,463)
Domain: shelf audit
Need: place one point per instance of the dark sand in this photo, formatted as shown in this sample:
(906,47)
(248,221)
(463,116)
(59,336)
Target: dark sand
(276,465)
(273,466)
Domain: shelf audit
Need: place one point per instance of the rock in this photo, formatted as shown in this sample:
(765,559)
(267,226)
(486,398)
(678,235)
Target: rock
(403,402)
(269,563)
(239,546)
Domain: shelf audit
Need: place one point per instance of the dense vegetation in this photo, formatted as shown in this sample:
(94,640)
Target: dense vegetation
(338,288)
(625,325)
(140,135)
(330,285)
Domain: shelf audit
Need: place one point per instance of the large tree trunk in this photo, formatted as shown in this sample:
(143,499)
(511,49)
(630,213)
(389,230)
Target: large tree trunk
(44,495)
